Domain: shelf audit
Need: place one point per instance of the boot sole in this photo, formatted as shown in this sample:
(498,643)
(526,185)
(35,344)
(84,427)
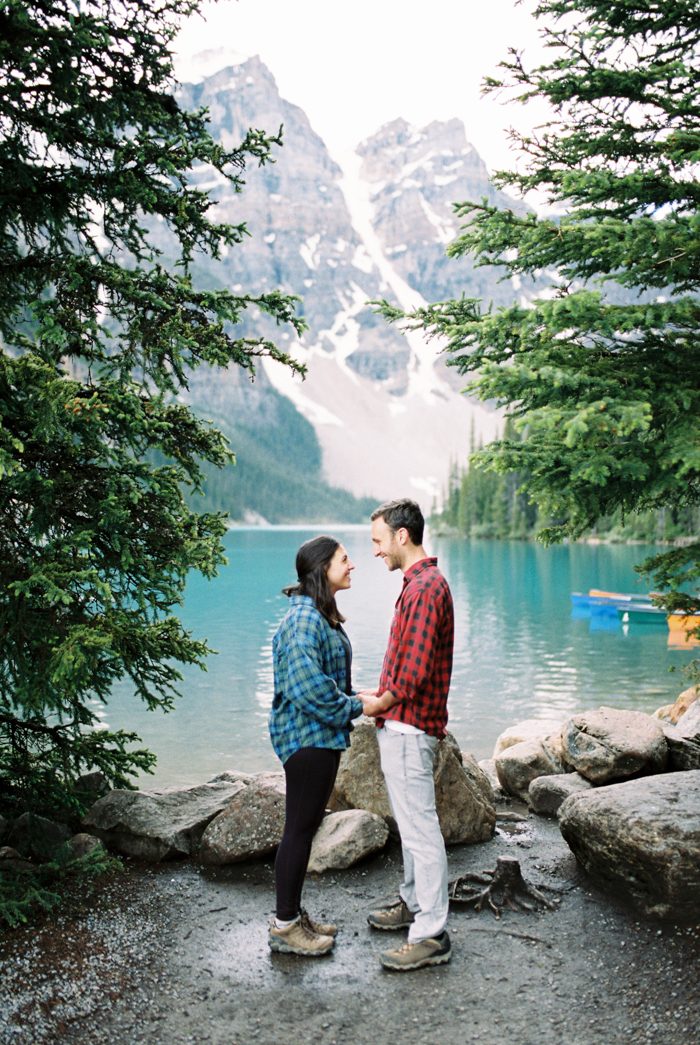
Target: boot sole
(438,959)
(283,948)
(389,928)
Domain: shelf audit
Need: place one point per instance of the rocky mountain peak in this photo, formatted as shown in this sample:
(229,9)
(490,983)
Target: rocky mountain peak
(388,419)
(398,149)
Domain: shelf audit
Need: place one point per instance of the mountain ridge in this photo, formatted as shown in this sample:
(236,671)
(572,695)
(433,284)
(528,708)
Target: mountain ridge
(386,411)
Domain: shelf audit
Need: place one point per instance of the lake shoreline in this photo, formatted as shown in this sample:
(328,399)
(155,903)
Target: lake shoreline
(178,953)
(681,541)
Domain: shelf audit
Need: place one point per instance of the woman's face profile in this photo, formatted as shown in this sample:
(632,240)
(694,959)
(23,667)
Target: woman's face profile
(338,570)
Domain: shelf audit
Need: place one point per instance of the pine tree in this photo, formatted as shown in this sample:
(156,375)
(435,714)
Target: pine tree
(97,340)
(603,369)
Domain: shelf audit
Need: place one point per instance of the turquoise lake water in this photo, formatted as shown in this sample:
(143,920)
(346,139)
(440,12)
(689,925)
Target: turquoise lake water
(519,653)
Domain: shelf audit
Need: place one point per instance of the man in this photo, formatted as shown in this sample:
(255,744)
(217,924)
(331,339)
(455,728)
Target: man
(410,706)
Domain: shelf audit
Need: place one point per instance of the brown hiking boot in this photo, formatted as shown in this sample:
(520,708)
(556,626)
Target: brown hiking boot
(320,928)
(396,916)
(297,938)
(433,951)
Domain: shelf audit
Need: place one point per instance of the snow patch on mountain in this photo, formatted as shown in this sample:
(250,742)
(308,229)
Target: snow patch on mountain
(422,377)
(374,442)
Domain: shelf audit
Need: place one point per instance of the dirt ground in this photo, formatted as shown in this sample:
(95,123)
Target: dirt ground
(589,972)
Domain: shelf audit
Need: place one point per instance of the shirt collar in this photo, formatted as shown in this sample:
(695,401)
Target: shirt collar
(418,567)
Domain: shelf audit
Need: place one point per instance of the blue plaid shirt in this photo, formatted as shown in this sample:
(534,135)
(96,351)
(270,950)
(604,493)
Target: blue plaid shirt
(310,707)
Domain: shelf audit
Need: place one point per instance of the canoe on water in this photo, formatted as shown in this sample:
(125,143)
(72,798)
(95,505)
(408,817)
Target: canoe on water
(595,593)
(677,622)
(604,603)
(641,613)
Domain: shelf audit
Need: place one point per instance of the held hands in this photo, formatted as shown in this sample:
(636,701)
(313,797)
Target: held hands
(369,702)
(373,705)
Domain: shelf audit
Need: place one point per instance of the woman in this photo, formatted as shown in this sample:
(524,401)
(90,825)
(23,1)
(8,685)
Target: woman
(310,725)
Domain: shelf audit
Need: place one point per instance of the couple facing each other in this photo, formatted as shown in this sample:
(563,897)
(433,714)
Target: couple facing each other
(311,720)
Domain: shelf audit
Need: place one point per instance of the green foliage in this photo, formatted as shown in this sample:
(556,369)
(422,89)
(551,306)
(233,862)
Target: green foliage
(98,339)
(482,503)
(601,372)
(32,891)
(21,896)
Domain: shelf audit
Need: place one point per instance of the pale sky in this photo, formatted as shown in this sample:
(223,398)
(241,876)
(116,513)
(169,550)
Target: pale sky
(355,66)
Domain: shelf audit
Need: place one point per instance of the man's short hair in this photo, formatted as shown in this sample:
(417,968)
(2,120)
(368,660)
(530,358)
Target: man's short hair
(402,514)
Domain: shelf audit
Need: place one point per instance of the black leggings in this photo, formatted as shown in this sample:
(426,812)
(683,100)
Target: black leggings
(310,774)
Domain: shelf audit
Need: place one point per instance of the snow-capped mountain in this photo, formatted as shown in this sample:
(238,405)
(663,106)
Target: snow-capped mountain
(374,224)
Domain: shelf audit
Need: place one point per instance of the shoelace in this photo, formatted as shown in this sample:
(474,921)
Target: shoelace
(306,922)
(406,948)
(307,930)
(310,924)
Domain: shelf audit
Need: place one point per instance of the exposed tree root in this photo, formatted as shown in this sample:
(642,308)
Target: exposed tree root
(504,885)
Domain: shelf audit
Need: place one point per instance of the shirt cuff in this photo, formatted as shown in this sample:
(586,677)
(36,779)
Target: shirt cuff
(357,706)
(399,696)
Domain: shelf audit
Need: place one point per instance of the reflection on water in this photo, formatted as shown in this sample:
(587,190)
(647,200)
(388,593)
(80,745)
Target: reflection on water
(520,652)
(264,675)
(678,640)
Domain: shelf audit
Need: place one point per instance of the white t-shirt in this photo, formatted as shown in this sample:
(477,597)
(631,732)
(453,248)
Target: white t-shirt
(401,727)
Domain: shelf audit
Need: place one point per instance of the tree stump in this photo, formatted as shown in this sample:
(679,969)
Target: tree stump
(504,885)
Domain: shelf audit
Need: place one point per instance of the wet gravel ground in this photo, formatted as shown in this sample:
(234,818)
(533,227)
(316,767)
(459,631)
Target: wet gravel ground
(178,954)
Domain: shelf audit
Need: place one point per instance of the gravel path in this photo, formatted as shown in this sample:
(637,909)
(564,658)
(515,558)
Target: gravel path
(178,954)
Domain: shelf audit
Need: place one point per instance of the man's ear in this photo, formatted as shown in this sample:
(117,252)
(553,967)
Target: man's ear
(402,535)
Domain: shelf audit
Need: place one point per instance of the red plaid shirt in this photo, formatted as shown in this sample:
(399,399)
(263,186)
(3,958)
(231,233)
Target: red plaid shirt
(418,661)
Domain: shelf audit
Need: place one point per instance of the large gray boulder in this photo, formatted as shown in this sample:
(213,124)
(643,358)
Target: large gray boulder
(158,825)
(528,729)
(11,863)
(607,744)
(36,837)
(464,797)
(548,793)
(683,739)
(79,849)
(463,794)
(93,784)
(360,781)
(641,840)
(233,775)
(519,765)
(344,838)
(250,826)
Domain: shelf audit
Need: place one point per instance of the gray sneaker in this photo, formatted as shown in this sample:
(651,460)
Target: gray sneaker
(433,951)
(297,938)
(396,916)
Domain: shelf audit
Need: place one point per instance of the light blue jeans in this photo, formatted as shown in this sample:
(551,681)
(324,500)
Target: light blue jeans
(407,764)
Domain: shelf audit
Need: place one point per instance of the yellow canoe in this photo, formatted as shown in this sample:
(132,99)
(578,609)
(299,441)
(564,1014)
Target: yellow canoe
(678,623)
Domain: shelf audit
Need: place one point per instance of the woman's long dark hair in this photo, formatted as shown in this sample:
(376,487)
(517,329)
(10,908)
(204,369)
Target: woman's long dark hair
(313,559)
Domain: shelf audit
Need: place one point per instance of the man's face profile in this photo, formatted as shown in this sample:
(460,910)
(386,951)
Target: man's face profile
(386,544)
